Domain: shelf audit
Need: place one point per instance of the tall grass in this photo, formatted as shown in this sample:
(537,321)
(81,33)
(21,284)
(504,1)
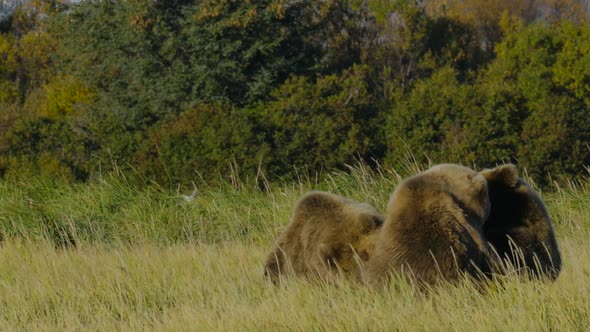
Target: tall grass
(220,287)
(112,210)
(148,259)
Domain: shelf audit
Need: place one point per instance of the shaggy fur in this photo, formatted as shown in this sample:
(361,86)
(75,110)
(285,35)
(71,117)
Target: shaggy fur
(432,230)
(519,220)
(328,235)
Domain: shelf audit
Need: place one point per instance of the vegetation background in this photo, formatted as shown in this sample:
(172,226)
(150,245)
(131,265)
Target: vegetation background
(173,90)
(110,111)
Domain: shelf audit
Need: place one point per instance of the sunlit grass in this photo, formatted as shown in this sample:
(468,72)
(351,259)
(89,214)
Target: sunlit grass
(220,287)
(147,259)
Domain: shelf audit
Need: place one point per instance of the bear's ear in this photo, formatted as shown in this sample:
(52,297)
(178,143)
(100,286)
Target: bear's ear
(370,222)
(506,174)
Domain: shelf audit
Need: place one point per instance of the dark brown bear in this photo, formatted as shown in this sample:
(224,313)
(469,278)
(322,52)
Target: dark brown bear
(433,228)
(519,220)
(328,235)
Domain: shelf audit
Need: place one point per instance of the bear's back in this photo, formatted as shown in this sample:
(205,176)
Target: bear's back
(432,227)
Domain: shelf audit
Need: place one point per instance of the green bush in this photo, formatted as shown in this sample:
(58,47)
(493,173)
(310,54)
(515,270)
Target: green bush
(428,125)
(553,106)
(526,107)
(204,142)
(324,124)
(169,91)
(49,148)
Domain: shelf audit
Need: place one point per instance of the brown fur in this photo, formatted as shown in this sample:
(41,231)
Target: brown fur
(328,235)
(519,214)
(433,227)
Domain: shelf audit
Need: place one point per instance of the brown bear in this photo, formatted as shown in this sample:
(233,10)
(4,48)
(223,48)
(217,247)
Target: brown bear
(328,236)
(433,228)
(519,227)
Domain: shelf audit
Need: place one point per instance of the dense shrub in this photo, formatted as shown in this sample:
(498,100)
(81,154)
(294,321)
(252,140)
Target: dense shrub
(173,90)
(554,129)
(428,124)
(50,148)
(323,124)
(208,141)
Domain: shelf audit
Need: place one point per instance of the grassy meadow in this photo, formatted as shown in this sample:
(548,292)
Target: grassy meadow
(108,256)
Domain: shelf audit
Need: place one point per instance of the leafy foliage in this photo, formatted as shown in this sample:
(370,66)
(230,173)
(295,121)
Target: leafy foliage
(429,123)
(170,91)
(327,123)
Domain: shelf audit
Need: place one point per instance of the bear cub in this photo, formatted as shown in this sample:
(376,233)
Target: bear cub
(328,236)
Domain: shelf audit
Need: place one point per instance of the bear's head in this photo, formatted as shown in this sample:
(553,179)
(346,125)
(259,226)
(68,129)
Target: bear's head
(508,193)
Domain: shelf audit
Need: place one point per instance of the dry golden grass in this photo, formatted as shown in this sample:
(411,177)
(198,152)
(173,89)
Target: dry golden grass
(220,287)
(197,266)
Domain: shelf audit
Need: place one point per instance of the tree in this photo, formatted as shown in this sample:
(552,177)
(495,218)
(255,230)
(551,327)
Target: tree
(240,51)
(534,88)
(7,8)
(429,124)
(486,16)
(324,124)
